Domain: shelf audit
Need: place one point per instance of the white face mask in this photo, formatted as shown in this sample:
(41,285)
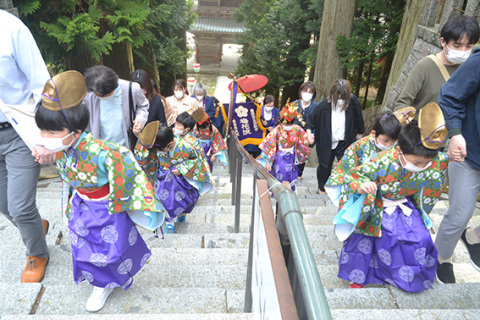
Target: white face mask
(340,102)
(200,98)
(412,168)
(179,94)
(307,96)
(287,128)
(457,56)
(268,109)
(179,132)
(56,144)
(381,146)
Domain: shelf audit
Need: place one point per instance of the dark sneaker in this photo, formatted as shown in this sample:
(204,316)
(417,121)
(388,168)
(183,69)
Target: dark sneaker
(445,273)
(473,251)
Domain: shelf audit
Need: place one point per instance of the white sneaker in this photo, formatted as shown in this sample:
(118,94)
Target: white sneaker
(97,299)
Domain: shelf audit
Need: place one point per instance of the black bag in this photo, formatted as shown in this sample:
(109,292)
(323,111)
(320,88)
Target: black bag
(132,137)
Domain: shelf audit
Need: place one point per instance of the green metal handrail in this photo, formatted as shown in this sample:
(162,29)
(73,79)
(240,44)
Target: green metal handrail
(316,305)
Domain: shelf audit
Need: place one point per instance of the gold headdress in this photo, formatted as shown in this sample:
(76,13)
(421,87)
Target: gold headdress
(433,131)
(64,91)
(149,134)
(405,115)
(198,114)
(289,112)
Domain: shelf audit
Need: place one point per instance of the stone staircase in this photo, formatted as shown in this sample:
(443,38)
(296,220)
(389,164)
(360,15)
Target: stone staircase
(197,273)
(454,301)
(200,271)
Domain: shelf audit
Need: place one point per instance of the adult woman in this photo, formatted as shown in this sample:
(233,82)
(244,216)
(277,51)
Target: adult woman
(109,106)
(179,102)
(337,122)
(206,102)
(157,109)
(306,105)
(270,114)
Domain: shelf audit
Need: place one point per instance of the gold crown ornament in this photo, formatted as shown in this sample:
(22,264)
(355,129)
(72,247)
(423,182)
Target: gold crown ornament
(433,130)
(65,90)
(289,112)
(149,134)
(405,115)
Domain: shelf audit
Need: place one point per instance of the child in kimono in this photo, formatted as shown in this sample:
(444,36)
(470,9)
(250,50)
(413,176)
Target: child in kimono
(284,148)
(181,175)
(184,126)
(107,249)
(212,142)
(383,219)
(383,137)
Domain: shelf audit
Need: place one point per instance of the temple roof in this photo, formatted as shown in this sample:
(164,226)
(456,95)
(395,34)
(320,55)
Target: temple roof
(221,25)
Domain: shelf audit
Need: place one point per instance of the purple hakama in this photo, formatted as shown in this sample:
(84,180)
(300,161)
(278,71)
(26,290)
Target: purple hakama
(284,168)
(206,145)
(404,256)
(107,250)
(176,194)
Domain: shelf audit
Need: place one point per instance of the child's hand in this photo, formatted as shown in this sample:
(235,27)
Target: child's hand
(368,187)
(270,128)
(213,158)
(310,138)
(42,155)
(176,172)
(269,166)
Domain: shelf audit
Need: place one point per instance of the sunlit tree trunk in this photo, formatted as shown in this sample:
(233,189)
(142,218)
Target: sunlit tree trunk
(337,20)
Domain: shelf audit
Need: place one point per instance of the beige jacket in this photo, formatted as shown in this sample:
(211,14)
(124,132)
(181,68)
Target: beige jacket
(174,108)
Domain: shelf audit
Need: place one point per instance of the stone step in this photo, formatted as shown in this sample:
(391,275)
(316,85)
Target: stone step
(403,314)
(232,277)
(459,296)
(166,316)
(148,299)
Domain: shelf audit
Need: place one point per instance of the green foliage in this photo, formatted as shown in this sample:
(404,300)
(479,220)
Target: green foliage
(277,40)
(375,34)
(90,28)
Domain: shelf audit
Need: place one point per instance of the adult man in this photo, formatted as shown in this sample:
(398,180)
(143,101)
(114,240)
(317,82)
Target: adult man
(22,74)
(457,38)
(460,102)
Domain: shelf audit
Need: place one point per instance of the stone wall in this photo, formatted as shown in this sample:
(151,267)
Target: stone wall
(7,5)
(420,49)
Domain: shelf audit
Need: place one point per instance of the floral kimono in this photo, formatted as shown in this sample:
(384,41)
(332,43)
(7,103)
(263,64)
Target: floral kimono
(357,153)
(390,242)
(213,145)
(107,249)
(178,194)
(285,150)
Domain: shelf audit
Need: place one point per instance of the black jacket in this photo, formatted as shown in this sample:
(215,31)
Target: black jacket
(320,120)
(156,111)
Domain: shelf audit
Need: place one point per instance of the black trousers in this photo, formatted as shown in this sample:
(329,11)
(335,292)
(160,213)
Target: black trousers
(323,173)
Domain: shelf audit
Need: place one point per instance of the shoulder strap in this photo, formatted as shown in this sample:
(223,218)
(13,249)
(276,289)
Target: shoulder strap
(440,66)
(130,102)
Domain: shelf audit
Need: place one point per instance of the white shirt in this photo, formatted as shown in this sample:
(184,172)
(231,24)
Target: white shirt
(111,114)
(22,69)
(338,126)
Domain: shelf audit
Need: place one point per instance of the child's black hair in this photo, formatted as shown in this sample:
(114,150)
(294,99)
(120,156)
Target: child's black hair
(206,124)
(49,120)
(410,141)
(164,137)
(386,123)
(186,120)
